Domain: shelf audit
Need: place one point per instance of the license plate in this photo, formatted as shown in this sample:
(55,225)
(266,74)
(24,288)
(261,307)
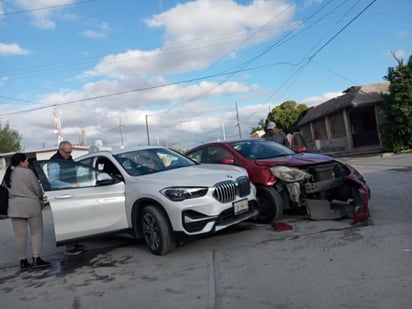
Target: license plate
(241,206)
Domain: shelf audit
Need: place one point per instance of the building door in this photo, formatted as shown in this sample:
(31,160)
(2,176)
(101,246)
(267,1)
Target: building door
(364,127)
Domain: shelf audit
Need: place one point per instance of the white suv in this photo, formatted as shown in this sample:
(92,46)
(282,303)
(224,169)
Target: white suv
(154,192)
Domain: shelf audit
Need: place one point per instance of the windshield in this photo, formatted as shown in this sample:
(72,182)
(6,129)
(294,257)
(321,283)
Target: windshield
(151,160)
(261,149)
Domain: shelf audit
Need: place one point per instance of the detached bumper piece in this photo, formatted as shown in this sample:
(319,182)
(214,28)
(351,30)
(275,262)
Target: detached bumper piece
(325,210)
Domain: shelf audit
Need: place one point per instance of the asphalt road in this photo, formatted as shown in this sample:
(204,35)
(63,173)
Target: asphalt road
(317,264)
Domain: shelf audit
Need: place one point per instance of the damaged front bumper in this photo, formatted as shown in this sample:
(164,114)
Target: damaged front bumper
(354,200)
(332,191)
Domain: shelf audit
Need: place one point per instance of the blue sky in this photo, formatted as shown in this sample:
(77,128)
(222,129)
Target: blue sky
(112,69)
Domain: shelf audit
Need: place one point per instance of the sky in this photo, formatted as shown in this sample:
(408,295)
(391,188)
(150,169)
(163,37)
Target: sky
(182,73)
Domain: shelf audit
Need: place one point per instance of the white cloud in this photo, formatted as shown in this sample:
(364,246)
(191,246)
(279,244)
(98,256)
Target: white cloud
(94,34)
(43,11)
(188,112)
(101,31)
(316,100)
(200,33)
(404,34)
(12,50)
(3,79)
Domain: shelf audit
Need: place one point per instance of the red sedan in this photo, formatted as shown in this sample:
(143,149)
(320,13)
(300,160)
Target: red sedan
(326,187)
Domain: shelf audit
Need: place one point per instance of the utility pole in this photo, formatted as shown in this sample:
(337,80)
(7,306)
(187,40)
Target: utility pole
(147,132)
(224,132)
(121,133)
(238,120)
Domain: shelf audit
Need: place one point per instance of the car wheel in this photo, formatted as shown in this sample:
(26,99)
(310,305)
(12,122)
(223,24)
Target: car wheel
(156,230)
(269,204)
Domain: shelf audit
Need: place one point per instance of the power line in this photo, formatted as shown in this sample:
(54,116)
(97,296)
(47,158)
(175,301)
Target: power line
(277,43)
(170,49)
(135,90)
(310,58)
(46,8)
(230,73)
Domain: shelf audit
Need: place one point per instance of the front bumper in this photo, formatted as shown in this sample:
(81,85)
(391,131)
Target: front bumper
(195,223)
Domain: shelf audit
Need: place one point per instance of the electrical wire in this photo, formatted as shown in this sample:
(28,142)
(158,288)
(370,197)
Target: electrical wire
(310,58)
(230,74)
(46,8)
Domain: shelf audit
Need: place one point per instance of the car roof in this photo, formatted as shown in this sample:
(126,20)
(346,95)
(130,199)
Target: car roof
(135,148)
(230,141)
(117,152)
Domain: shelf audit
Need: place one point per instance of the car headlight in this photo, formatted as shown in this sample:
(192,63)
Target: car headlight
(289,174)
(178,194)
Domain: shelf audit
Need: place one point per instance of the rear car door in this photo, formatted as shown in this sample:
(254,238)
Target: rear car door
(84,201)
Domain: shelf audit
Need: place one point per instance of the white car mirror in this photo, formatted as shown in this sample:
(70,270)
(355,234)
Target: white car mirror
(104,179)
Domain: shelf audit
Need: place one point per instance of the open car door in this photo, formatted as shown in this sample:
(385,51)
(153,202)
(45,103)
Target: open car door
(84,201)
(298,143)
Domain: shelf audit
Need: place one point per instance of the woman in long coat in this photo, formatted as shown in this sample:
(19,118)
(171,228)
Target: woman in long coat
(25,210)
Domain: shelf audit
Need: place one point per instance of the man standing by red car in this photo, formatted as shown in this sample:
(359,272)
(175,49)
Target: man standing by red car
(275,135)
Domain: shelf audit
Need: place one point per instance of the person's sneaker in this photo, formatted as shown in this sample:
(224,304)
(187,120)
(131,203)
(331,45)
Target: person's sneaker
(39,263)
(24,265)
(73,250)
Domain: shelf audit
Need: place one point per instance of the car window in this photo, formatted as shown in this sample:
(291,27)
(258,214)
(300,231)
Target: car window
(66,174)
(196,155)
(215,154)
(88,161)
(151,160)
(106,165)
(261,149)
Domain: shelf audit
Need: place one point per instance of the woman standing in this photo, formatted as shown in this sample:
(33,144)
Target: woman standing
(25,209)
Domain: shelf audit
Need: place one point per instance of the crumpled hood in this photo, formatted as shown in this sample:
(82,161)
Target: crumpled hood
(196,175)
(300,159)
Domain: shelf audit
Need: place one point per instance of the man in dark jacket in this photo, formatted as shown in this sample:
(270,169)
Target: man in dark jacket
(273,134)
(60,179)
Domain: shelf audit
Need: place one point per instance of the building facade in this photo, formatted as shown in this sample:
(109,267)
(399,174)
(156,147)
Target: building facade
(346,123)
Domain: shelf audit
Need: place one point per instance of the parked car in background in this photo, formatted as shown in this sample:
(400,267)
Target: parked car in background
(285,179)
(154,193)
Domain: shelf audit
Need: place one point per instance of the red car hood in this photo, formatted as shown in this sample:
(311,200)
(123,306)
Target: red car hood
(300,159)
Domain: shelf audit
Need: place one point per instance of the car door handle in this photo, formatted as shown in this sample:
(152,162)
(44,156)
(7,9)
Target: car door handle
(63,197)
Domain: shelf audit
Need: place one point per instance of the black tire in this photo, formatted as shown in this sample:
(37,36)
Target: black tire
(270,204)
(156,231)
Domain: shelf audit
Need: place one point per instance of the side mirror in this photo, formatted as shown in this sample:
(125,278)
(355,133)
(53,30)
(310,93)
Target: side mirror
(104,179)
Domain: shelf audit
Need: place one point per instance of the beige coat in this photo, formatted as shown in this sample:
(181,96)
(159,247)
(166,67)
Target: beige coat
(25,194)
